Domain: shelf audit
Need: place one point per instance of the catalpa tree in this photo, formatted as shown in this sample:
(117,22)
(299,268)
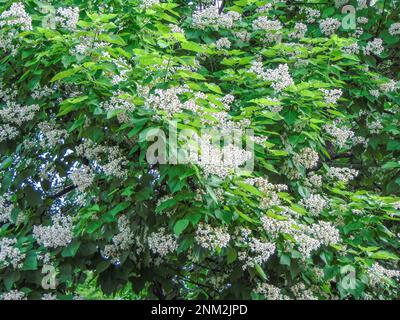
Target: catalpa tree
(182,150)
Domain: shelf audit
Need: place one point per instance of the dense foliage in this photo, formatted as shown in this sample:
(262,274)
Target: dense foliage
(84,83)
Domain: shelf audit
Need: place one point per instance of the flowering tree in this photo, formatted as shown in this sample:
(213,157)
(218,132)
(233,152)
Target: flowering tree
(84,86)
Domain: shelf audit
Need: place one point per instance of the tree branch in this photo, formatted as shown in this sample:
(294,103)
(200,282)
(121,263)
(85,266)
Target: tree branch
(62,192)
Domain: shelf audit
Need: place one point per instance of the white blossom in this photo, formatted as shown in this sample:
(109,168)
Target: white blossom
(162,243)
(308,158)
(16,16)
(311,14)
(394,29)
(315,203)
(122,241)
(374,47)
(13,295)
(354,48)
(58,234)
(341,134)
(342,174)
(299,32)
(377,274)
(270,292)
(329,26)
(10,255)
(331,96)
(49,296)
(210,237)
(223,43)
(211,18)
(67,17)
(389,86)
(82,177)
(146,4)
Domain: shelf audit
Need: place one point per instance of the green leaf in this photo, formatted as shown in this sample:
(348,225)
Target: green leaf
(71,249)
(30,262)
(180,226)
(112,38)
(261,272)
(384,255)
(231,255)
(65,74)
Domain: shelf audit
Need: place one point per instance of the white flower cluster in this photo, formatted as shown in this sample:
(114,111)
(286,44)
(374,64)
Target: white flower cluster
(275,227)
(211,18)
(167,100)
(8,132)
(362,20)
(388,86)
(49,296)
(242,35)
(87,44)
(16,16)
(6,208)
(68,17)
(375,126)
(9,254)
(279,77)
(223,43)
(13,295)
(59,234)
(259,252)
(308,238)
(119,101)
(354,48)
(13,114)
(270,191)
(146,4)
(52,135)
(162,243)
(299,32)
(123,68)
(342,174)
(394,29)
(108,159)
(300,292)
(315,203)
(360,140)
(122,241)
(216,160)
(329,26)
(7,44)
(396,205)
(41,92)
(311,14)
(341,134)
(82,177)
(176,29)
(374,47)
(307,157)
(264,8)
(331,96)
(306,244)
(313,180)
(325,232)
(378,274)
(16,114)
(269,291)
(212,238)
(263,23)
